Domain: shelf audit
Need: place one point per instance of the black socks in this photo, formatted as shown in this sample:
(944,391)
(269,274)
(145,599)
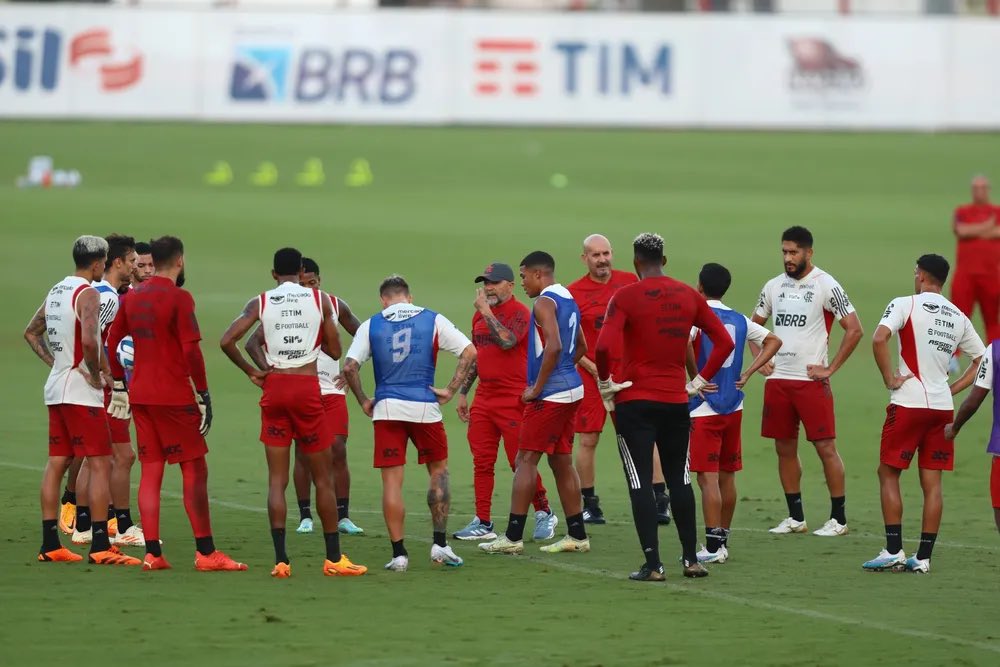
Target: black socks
(794,501)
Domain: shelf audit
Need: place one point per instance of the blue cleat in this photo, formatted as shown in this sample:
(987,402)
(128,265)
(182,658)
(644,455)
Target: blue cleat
(545,526)
(886,561)
(305,526)
(918,565)
(347,527)
(476,530)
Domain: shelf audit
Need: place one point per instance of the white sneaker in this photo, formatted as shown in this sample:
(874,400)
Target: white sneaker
(832,529)
(706,556)
(86,537)
(789,525)
(445,556)
(305,526)
(398,564)
(918,565)
(132,537)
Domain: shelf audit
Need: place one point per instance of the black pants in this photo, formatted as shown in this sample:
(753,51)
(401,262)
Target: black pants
(640,424)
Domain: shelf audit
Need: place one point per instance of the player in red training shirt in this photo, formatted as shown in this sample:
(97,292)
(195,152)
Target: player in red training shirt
(977,258)
(647,326)
(500,334)
(170,421)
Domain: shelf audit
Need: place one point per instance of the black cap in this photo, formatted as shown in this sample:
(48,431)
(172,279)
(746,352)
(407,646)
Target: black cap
(496,272)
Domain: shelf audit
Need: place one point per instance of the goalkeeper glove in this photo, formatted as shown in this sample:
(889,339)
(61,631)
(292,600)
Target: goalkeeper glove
(695,386)
(205,405)
(119,407)
(608,389)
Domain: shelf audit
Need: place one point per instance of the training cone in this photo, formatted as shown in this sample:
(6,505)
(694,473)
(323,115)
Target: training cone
(359,175)
(312,174)
(221,174)
(265,176)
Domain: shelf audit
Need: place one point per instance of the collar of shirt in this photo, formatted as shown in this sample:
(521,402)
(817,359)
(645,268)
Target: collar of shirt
(715,303)
(401,311)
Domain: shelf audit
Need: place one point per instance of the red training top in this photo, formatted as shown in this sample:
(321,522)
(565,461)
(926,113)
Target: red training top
(979,256)
(160,318)
(592,299)
(503,374)
(648,324)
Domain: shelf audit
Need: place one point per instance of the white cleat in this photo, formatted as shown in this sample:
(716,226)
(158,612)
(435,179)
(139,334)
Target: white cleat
(886,561)
(305,526)
(445,556)
(720,556)
(918,565)
(832,529)
(567,543)
(789,525)
(132,537)
(502,545)
(398,564)
(86,537)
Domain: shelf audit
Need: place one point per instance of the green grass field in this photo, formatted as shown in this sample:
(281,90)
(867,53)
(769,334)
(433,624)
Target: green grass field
(445,202)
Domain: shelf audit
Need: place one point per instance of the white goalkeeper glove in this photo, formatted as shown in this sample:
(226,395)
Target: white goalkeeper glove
(119,407)
(695,386)
(608,389)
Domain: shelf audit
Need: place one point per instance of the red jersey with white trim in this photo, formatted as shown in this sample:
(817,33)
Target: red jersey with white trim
(592,298)
(502,373)
(292,319)
(327,368)
(66,384)
(160,318)
(930,328)
(803,311)
(977,256)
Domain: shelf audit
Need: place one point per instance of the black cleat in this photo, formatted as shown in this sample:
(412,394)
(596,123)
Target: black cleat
(592,510)
(647,573)
(663,509)
(694,570)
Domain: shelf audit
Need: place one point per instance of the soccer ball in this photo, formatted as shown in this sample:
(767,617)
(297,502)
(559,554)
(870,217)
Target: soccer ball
(126,354)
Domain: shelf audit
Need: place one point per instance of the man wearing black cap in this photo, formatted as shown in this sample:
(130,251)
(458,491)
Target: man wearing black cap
(500,334)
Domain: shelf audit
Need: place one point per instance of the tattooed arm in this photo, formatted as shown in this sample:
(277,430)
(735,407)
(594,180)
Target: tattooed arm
(465,363)
(463,394)
(34,333)
(501,335)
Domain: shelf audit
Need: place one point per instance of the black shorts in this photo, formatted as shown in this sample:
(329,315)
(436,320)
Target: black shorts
(640,425)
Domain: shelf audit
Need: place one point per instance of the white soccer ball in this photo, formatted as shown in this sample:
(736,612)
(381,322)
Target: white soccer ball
(126,353)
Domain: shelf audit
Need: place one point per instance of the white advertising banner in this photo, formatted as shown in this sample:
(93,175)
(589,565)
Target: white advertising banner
(442,66)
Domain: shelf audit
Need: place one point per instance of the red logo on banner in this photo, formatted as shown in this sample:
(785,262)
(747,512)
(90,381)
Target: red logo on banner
(96,43)
(506,66)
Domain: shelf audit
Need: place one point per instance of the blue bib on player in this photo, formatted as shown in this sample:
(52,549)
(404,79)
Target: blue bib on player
(403,354)
(728,398)
(564,376)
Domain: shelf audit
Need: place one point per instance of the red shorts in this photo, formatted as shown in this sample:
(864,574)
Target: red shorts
(391,436)
(788,402)
(168,433)
(119,427)
(910,430)
(292,408)
(995,482)
(78,430)
(715,443)
(335,409)
(548,427)
(591,415)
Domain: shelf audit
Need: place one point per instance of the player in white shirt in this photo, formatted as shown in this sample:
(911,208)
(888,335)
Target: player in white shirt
(987,378)
(65,334)
(804,302)
(402,341)
(297,321)
(930,329)
(715,448)
(334,406)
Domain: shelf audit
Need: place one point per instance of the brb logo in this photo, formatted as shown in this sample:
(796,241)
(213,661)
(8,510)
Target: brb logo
(32,59)
(607,69)
(279,74)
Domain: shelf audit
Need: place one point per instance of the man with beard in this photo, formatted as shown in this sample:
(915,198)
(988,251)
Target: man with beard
(804,302)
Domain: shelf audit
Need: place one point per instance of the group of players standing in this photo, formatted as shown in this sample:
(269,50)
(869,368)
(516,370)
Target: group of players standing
(637,342)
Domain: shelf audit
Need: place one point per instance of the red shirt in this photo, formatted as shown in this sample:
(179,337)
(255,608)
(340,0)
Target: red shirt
(503,374)
(649,324)
(592,299)
(977,255)
(160,318)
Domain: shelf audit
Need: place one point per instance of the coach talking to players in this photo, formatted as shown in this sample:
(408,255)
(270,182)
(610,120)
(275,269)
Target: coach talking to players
(647,325)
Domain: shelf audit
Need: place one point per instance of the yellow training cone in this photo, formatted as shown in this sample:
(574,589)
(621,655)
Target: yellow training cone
(265,176)
(312,174)
(221,174)
(359,175)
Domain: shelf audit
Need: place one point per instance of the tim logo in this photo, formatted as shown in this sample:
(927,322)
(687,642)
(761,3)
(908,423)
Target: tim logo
(32,59)
(506,66)
(260,73)
(817,67)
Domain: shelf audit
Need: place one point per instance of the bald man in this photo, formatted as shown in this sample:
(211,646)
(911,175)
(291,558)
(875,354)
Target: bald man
(977,264)
(592,293)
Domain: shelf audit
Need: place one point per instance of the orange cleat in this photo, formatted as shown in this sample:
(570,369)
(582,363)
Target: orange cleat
(112,526)
(112,557)
(281,571)
(67,518)
(216,562)
(60,555)
(151,562)
(343,568)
